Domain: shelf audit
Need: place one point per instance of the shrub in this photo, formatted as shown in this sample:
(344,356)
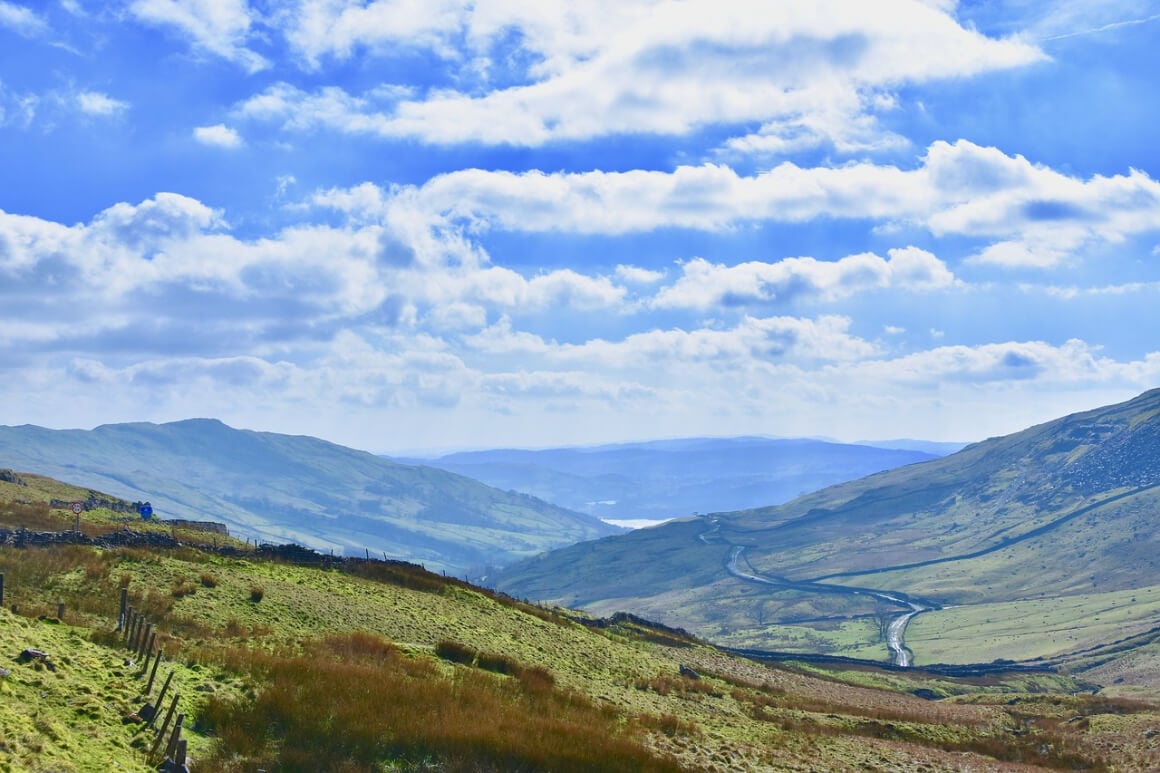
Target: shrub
(455,652)
(536,679)
(208,580)
(499,664)
(182,587)
(257,593)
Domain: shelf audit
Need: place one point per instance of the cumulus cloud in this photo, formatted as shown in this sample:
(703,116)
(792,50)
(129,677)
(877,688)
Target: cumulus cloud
(219,27)
(638,275)
(1037,216)
(704,285)
(807,71)
(218,135)
(170,310)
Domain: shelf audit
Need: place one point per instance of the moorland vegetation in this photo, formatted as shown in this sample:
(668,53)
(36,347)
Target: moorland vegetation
(362,665)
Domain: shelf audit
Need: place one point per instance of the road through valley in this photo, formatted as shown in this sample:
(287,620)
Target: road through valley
(900,654)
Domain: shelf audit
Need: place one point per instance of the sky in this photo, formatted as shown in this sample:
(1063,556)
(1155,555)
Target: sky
(413,226)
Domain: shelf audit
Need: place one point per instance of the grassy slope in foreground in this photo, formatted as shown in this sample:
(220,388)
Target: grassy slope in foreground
(539,684)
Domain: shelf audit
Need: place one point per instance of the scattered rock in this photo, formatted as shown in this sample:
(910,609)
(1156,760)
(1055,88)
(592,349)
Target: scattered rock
(8,476)
(32,655)
(688,672)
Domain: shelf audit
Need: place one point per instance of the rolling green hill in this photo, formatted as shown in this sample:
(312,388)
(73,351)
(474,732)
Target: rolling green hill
(1063,510)
(283,488)
(304,663)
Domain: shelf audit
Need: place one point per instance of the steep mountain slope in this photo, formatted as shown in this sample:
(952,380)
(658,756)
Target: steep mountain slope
(1060,509)
(671,478)
(301,489)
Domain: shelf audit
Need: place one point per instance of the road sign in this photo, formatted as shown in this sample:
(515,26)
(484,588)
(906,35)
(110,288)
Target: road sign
(78,507)
(146,511)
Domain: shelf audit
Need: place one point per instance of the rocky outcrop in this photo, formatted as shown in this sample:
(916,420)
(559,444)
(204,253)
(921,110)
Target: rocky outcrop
(8,476)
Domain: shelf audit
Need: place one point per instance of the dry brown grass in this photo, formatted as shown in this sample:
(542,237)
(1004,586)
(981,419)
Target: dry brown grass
(356,701)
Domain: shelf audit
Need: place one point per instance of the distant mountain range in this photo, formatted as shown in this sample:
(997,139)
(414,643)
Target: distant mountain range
(283,488)
(663,479)
(1064,508)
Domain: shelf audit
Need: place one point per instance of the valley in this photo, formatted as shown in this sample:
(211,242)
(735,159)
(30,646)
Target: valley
(1018,567)
(937,562)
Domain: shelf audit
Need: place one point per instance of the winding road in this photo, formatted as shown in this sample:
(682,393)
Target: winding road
(900,654)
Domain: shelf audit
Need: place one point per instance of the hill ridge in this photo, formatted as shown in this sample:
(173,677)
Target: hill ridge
(285,488)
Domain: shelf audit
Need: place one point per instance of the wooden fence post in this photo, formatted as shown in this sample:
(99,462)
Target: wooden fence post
(153,672)
(171,747)
(60,612)
(149,654)
(124,608)
(138,620)
(128,624)
(179,754)
(141,645)
(160,696)
(1,589)
(164,726)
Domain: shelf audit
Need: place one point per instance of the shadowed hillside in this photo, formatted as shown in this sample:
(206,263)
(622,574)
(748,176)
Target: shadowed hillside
(300,489)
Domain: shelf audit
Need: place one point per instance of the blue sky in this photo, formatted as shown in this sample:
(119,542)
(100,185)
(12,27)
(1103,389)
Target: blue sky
(407,225)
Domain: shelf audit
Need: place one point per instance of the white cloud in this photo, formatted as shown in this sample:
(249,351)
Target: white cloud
(753,341)
(96,103)
(1038,216)
(638,275)
(48,109)
(218,135)
(704,285)
(21,20)
(809,71)
(502,288)
(316,28)
(220,27)
(1074,362)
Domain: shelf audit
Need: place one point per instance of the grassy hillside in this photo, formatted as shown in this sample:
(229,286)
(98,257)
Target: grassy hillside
(1062,510)
(368,665)
(300,489)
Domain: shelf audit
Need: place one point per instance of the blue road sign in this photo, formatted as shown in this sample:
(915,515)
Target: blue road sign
(146,511)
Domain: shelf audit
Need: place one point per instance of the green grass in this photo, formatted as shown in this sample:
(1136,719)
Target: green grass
(334,670)
(1034,628)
